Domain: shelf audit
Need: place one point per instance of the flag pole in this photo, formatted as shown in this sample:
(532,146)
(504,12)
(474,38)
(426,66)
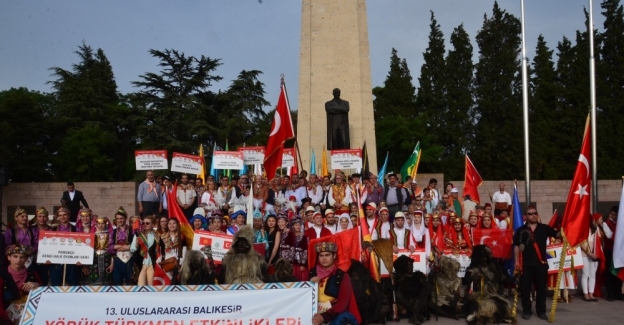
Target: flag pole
(525,112)
(592,93)
(564,253)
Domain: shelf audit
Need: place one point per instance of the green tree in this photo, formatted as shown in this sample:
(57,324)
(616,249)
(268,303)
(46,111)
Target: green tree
(24,130)
(498,146)
(543,115)
(394,114)
(456,133)
(610,81)
(87,101)
(177,104)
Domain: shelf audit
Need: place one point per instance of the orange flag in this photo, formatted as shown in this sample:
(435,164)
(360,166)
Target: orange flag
(472,180)
(575,224)
(176,212)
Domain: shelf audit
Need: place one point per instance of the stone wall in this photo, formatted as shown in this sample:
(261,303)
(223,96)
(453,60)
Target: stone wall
(550,195)
(103,197)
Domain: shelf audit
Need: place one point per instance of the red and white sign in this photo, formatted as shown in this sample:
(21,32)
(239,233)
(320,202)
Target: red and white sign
(346,159)
(288,158)
(462,257)
(183,163)
(65,247)
(553,256)
(228,160)
(419,257)
(151,159)
(252,155)
(219,243)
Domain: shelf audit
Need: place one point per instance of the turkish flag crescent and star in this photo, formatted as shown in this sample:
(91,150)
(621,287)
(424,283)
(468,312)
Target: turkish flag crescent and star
(281,131)
(472,180)
(575,224)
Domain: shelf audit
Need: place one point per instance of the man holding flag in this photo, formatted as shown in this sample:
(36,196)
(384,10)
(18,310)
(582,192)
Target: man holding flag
(530,259)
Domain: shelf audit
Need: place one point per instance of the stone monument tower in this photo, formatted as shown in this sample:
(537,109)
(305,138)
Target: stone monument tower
(334,54)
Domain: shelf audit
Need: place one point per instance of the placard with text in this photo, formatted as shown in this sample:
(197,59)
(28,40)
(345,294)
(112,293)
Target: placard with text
(288,158)
(184,163)
(553,256)
(220,243)
(228,160)
(252,155)
(292,303)
(463,257)
(419,257)
(346,159)
(65,247)
(151,159)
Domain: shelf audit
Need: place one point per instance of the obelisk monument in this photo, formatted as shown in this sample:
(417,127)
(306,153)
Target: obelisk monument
(334,54)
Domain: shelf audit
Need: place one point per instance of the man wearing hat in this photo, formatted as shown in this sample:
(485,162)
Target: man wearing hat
(395,196)
(307,221)
(336,301)
(339,195)
(317,230)
(240,216)
(382,230)
(371,217)
(436,232)
(356,187)
(375,192)
(456,202)
(458,237)
(401,237)
(330,221)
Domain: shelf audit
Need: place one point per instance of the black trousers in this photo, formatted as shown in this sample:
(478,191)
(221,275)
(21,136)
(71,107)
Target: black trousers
(613,283)
(534,275)
(149,208)
(392,209)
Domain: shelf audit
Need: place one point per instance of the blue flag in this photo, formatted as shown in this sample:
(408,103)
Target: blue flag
(213,171)
(516,222)
(313,163)
(382,171)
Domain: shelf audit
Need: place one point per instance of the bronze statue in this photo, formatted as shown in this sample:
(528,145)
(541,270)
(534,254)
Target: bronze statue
(337,122)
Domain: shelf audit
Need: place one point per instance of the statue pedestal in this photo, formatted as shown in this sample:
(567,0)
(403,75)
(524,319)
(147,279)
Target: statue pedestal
(334,54)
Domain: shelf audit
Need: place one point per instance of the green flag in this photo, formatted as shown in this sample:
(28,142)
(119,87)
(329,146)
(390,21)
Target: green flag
(411,165)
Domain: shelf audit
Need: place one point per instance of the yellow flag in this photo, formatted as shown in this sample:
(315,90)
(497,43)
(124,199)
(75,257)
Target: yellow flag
(324,169)
(202,172)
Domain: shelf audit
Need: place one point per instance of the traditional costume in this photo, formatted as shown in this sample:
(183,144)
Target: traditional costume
(11,286)
(100,272)
(122,258)
(294,249)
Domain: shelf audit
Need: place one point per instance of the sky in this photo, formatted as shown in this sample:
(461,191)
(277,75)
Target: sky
(36,35)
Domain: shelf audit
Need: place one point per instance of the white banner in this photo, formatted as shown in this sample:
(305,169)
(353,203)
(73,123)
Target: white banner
(219,243)
(462,258)
(228,160)
(151,159)
(255,304)
(553,254)
(418,256)
(65,247)
(346,159)
(252,155)
(183,163)
(288,158)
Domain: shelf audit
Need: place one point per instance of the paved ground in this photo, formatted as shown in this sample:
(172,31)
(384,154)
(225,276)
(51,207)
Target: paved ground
(577,312)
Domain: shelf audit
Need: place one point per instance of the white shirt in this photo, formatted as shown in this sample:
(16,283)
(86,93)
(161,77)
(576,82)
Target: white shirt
(333,228)
(345,201)
(400,237)
(300,193)
(385,232)
(316,196)
(186,196)
(501,197)
(71,195)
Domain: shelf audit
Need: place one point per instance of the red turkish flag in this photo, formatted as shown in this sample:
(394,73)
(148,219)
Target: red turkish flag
(472,180)
(281,131)
(575,225)
(348,243)
(498,240)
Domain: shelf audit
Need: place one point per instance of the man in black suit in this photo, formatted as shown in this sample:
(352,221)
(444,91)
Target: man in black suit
(72,199)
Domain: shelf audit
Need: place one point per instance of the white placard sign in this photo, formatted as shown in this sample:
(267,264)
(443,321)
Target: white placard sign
(65,247)
(228,160)
(151,159)
(346,159)
(238,304)
(463,259)
(288,158)
(219,243)
(252,155)
(553,255)
(183,163)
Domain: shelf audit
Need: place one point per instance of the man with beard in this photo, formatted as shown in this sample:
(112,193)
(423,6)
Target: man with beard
(330,222)
(186,196)
(315,191)
(530,257)
(395,195)
(401,237)
(339,195)
(382,229)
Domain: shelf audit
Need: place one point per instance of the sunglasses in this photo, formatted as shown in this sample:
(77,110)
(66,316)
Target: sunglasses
(146,223)
(531,213)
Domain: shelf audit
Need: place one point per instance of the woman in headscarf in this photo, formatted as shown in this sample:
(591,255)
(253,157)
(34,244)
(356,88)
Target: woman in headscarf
(260,235)
(100,272)
(420,234)
(85,221)
(344,223)
(198,222)
(294,249)
(16,282)
(57,270)
(22,234)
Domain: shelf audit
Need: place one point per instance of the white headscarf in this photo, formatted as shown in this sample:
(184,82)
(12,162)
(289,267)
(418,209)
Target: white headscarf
(349,226)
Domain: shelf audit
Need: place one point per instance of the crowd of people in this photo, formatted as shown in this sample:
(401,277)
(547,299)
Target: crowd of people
(288,212)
